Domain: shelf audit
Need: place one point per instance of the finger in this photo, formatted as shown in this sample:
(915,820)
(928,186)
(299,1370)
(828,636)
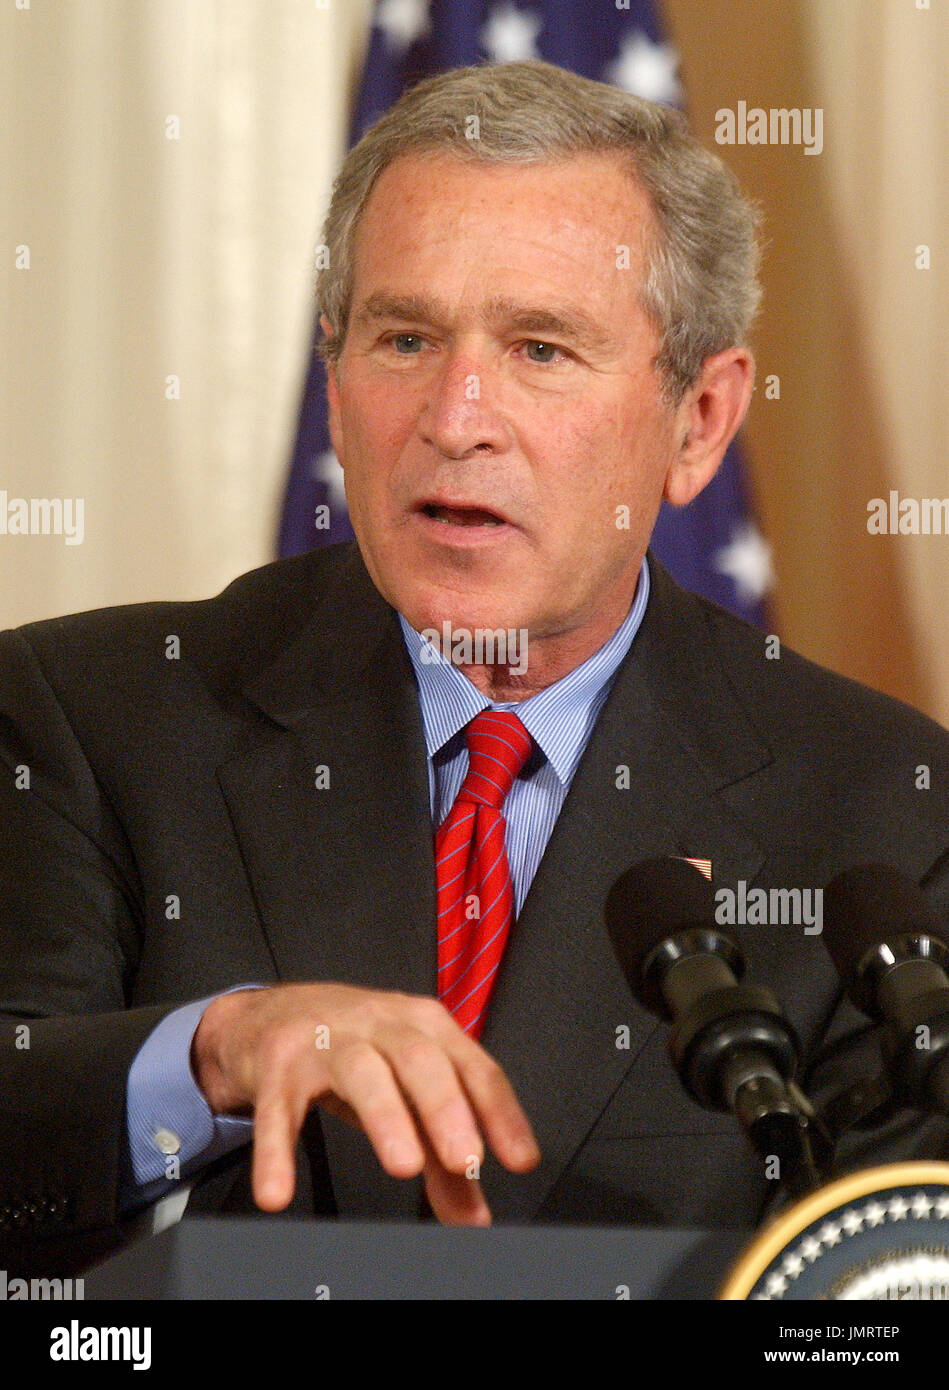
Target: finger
(363,1080)
(455,1200)
(278,1117)
(495,1105)
(434,1091)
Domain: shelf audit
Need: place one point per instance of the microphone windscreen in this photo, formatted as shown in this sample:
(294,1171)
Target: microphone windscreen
(652,901)
(867,904)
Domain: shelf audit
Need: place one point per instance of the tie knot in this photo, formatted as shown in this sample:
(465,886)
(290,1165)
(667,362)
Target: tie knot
(498,747)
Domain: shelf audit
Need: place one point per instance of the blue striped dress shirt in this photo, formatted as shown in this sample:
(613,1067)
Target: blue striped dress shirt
(560,720)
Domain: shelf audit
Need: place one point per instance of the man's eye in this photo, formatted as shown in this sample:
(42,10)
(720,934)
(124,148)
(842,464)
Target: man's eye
(544,353)
(406,343)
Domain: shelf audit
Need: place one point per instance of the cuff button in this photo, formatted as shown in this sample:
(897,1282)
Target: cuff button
(166,1141)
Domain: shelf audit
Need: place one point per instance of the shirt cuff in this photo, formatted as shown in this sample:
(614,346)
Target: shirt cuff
(170,1125)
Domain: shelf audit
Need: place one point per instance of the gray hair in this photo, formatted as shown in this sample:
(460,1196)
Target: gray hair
(700,286)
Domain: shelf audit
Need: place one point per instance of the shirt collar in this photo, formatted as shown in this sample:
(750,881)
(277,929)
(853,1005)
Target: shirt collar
(558,719)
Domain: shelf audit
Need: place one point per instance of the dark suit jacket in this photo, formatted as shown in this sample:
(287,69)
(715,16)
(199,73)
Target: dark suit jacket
(194,777)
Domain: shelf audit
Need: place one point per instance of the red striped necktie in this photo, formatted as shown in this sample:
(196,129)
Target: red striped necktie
(475,894)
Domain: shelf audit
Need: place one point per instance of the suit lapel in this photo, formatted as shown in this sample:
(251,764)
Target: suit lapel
(343,873)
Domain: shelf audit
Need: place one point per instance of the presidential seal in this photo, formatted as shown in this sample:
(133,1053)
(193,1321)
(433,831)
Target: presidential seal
(882,1233)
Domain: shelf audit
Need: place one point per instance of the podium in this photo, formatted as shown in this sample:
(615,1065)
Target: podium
(283,1258)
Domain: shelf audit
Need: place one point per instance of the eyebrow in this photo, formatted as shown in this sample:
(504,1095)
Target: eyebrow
(562,321)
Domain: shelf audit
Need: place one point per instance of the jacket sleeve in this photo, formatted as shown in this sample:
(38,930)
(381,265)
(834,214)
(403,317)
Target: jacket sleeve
(70,934)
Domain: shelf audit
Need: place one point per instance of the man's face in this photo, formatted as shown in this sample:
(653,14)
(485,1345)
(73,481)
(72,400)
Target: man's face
(496,407)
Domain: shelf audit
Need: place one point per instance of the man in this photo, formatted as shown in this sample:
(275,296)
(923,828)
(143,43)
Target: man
(263,928)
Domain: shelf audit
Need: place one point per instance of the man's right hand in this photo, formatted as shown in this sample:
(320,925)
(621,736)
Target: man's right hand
(396,1065)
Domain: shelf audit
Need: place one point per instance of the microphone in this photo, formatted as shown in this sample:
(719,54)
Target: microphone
(893,957)
(730,1042)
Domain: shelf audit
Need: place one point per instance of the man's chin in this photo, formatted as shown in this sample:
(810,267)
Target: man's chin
(462,616)
(428,605)
(485,601)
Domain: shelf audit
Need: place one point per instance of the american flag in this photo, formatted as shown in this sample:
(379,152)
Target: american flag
(713,546)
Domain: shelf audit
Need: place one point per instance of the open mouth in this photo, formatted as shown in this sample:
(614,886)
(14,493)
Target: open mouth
(462,516)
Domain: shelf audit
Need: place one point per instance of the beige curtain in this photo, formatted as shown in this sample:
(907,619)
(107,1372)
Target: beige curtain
(166,162)
(155,345)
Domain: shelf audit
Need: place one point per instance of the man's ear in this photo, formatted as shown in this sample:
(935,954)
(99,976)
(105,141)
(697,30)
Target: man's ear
(707,419)
(332,393)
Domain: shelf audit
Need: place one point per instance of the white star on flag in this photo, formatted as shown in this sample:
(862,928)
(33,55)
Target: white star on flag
(327,469)
(747,561)
(403,21)
(646,69)
(510,35)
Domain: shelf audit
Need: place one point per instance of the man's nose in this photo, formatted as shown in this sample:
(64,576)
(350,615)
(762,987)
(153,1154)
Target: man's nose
(463,411)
